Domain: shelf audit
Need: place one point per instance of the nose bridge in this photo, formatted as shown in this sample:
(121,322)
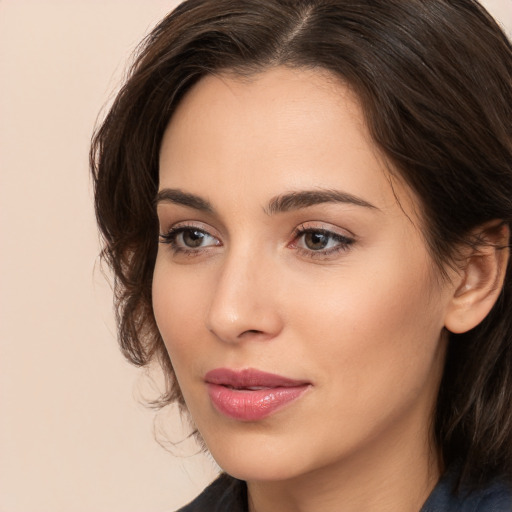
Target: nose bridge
(242,304)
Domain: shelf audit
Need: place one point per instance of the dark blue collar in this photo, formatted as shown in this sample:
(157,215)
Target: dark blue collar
(495,497)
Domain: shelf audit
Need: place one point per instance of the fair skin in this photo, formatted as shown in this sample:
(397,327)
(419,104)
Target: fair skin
(336,290)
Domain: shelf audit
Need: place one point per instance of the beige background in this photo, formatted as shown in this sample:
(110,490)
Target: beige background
(73,436)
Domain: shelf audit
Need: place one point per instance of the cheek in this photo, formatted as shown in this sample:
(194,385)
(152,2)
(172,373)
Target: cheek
(376,334)
(179,299)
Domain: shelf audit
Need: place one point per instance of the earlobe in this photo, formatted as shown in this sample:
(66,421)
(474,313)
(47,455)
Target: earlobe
(481,277)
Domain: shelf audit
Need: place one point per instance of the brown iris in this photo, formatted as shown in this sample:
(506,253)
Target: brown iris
(193,237)
(316,240)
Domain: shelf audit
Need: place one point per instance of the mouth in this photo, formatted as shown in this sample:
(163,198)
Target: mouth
(251,395)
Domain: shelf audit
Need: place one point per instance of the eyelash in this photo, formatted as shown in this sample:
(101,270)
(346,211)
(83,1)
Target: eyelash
(170,237)
(342,242)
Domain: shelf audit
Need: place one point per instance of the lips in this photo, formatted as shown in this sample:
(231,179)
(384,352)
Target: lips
(251,395)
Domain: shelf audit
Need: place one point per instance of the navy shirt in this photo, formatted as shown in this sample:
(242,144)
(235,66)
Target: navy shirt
(226,494)
(496,497)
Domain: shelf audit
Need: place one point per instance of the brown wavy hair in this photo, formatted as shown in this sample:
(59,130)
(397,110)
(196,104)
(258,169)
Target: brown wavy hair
(435,82)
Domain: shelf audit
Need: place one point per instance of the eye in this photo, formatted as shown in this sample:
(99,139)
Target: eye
(188,239)
(315,242)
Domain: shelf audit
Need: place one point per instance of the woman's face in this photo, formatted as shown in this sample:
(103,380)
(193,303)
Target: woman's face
(295,295)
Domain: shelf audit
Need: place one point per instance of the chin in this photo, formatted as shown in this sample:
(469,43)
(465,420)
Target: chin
(259,457)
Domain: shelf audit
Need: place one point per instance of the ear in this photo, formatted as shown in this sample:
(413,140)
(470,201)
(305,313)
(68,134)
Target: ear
(479,283)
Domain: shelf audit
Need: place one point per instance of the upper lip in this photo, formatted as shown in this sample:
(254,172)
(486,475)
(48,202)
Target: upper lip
(250,378)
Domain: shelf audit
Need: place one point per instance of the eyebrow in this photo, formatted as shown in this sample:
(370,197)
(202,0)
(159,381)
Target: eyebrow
(305,198)
(176,196)
(278,204)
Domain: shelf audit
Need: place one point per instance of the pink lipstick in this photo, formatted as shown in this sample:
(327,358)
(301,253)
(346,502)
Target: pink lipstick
(251,395)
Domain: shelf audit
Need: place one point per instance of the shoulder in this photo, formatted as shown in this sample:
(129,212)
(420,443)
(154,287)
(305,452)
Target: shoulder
(496,497)
(226,494)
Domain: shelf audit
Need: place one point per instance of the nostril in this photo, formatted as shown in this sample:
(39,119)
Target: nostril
(255,334)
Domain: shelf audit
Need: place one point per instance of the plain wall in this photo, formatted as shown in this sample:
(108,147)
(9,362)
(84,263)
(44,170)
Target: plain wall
(73,434)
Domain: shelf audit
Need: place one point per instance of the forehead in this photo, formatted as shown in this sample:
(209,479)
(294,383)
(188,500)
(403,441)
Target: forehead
(282,129)
(280,106)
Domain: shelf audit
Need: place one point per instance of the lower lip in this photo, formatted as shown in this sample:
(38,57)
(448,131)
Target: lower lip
(247,405)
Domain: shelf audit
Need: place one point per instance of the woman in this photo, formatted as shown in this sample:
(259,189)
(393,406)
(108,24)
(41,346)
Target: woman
(307,208)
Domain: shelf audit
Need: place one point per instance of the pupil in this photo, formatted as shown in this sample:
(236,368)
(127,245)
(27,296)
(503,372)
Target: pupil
(193,238)
(316,241)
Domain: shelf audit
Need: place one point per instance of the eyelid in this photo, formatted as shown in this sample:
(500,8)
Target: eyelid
(191,224)
(324,226)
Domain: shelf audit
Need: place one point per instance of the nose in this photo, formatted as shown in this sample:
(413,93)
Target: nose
(244,301)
